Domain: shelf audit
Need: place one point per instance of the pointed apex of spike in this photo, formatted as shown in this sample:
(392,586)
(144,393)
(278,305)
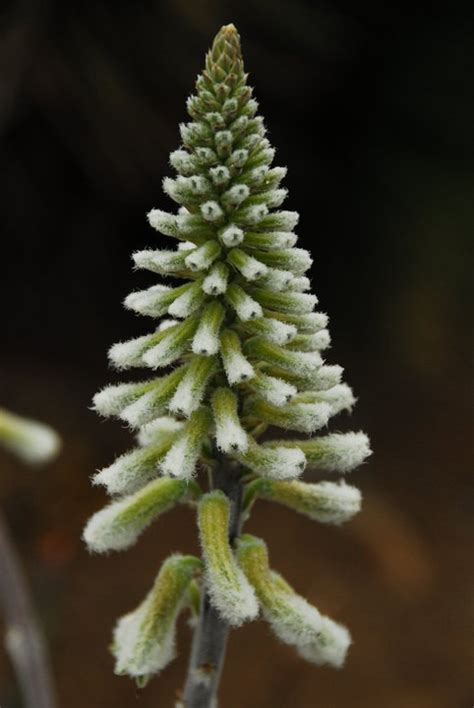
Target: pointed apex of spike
(227,41)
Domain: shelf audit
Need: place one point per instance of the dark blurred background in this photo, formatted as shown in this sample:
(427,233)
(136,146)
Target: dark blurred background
(371,108)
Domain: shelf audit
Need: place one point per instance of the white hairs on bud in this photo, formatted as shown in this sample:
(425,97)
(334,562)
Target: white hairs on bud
(330,647)
(155,430)
(231,235)
(211,211)
(162,221)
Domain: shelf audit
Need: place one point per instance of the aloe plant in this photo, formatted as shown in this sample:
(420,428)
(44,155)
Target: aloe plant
(237,353)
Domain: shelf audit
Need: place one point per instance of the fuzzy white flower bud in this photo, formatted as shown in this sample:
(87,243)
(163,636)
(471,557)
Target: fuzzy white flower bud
(33,442)
(229,591)
(144,640)
(231,235)
(118,525)
(236,366)
(182,458)
(206,339)
(215,283)
(230,436)
(245,306)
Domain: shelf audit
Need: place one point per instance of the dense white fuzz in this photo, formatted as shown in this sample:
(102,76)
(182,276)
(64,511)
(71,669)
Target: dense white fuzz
(206,339)
(312,342)
(211,211)
(160,261)
(33,442)
(144,640)
(339,397)
(220,175)
(304,417)
(300,284)
(230,435)
(186,246)
(236,366)
(291,617)
(272,330)
(162,221)
(337,452)
(235,196)
(192,387)
(277,280)
(270,240)
(181,460)
(172,344)
(229,590)
(289,302)
(183,162)
(247,265)
(327,377)
(297,363)
(188,302)
(330,647)
(113,399)
(326,502)
(245,306)
(215,283)
(201,258)
(152,301)
(157,430)
(134,469)
(126,354)
(231,235)
(252,215)
(274,390)
(273,462)
(118,525)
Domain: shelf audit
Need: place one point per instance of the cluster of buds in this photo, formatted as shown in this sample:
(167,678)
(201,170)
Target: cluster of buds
(238,350)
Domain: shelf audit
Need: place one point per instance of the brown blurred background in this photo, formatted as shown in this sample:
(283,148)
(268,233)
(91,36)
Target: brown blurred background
(371,107)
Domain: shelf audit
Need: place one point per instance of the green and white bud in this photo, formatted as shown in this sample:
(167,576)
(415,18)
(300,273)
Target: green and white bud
(290,302)
(300,284)
(231,235)
(31,441)
(276,463)
(163,222)
(251,216)
(206,340)
(326,502)
(192,388)
(277,280)
(229,591)
(234,196)
(291,617)
(236,366)
(337,452)
(308,323)
(183,162)
(188,302)
(220,175)
(144,640)
(156,300)
(270,329)
(299,363)
(249,267)
(312,342)
(118,525)
(295,260)
(173,342)
(134,469)
(152,401)
(203,257)
(339,398)
(212,212)
(274,390)
(125,355)
(157,430)
(161,261)
(280,221)
(270,241)
(216,282)
(230,435)
(245,306)
(182,458)
(303,417)
(238,158)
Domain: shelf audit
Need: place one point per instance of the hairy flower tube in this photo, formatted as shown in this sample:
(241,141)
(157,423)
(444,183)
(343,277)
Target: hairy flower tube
(237,353)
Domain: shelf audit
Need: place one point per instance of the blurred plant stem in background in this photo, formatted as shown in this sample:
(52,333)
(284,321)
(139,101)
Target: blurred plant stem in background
(34,443)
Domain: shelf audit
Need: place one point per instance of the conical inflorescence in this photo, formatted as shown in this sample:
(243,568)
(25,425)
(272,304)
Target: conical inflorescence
(237,347)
